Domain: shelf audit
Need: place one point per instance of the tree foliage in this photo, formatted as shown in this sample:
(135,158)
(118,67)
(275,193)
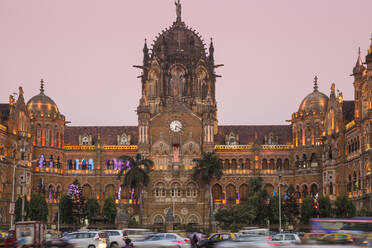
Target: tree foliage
(18,209)
(236,217)
(109,210)
(91,208)
(65,208)
(344,207)
(274,209)
(364,212)
(207,168)
(38,208)
(325,207)
(290,206)
(136,174)
(307,210)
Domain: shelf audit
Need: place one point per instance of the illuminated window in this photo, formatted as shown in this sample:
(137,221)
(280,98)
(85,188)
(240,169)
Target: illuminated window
(191,190)
(176,190)
(90,164)
(160,190)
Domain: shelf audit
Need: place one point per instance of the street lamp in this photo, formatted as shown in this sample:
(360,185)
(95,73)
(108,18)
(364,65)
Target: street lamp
(280,207)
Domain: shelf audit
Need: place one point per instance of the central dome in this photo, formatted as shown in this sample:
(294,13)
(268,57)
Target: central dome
(178,40)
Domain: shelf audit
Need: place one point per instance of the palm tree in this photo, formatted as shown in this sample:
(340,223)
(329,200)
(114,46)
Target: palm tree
(207,168)
(136,174)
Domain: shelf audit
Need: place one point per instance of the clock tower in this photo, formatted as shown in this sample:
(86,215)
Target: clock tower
(177,113)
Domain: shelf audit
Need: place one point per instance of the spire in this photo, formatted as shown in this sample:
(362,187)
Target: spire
(211,50)
(42,86)
(316,83)
(178,11)
(358,68)
(145,53)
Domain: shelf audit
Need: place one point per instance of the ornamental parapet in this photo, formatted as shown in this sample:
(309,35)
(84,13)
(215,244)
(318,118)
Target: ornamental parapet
(79,172)
(233,147)
(247,147)
(276,147)
(77,148)
(131,147)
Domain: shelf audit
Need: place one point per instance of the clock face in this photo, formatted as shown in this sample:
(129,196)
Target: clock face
(175,126)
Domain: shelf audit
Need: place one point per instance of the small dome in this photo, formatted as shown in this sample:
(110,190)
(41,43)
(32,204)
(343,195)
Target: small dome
(42,105)
(314,102)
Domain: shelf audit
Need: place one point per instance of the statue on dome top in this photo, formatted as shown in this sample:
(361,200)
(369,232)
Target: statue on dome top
(178,10)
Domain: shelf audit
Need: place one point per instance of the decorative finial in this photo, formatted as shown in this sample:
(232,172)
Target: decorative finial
(359,60)
(178,10)
(41,86)
(333,88)
(20,89)
(316,83)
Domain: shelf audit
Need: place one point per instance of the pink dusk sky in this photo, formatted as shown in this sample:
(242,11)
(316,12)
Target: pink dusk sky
(84,50)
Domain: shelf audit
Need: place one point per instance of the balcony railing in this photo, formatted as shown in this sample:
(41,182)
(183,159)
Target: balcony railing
(48,170)
(248,147)
(80,172)
(131,147)
(76,148)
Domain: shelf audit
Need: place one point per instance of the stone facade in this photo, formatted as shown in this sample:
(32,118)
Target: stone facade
(325,149)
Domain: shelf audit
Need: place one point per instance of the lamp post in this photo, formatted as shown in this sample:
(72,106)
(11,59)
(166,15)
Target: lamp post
(280,207)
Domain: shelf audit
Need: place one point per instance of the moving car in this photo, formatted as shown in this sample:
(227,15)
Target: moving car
(163,240)
(216,238)
(88,239)
(311,238)
(337,238)
(286,239)
(136,233)
(117,238)
(244,240)
(58,243)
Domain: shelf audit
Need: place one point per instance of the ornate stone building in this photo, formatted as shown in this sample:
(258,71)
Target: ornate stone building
(325,148)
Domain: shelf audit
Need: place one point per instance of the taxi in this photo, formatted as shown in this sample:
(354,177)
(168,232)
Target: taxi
(337,238)
(2,238)
(216,238)
(310,238)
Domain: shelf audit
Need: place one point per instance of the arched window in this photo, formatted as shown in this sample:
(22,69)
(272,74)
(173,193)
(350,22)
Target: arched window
(264,164)
(160,190)
(77,164)
(50,192)
(176,190)
(47,136)
(247,164)
(191,190)
(90,164)
(243,192)
(84,165)
(240,164)
(230,194)
(304,191)
(279,164)
(286,164)
(227,164)
(314,189)
(158,220)
(233,164)
(331,188)
(38,136)
(272,164)
(51,163)
(355,182)
(217,193)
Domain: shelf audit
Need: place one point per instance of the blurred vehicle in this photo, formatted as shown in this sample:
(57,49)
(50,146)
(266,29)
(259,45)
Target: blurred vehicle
(88,239)
(255,231)
(2,238)
(30,233)
(356,225)
(244,240)
(136,233)
(337,238)
(11,240)
(286,239)
(311,238)
(50,235)
(117,238)
(58,243)
(163,240)
(216,238)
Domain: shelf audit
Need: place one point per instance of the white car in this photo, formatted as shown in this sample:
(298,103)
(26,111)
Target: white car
(286,238)
(163,240)
(117,238)
(88,239)
(135,234)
